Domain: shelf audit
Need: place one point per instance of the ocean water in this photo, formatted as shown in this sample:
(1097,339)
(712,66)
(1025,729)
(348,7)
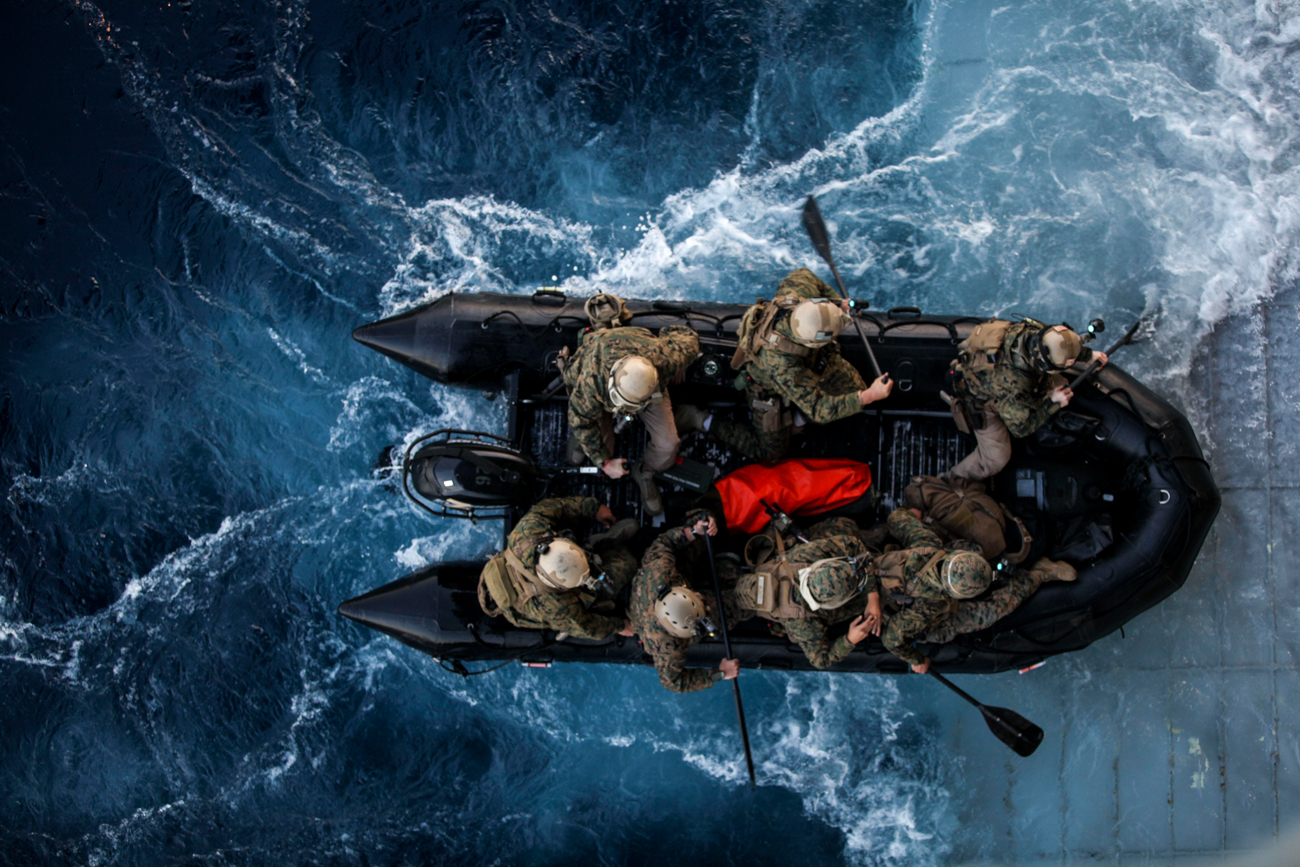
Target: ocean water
(200,199)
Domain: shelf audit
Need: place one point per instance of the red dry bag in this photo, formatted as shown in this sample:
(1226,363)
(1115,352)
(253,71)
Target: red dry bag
(803,486)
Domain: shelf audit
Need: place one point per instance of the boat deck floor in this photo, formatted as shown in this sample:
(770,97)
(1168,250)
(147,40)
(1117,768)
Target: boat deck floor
(896,446)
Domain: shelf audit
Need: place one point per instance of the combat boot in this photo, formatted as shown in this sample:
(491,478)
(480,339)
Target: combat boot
(1054,570)
(645,480)
(574,453)
(621,531)
(689,419)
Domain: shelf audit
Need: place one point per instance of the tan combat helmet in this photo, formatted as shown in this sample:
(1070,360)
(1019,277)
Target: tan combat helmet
(831,582)
(816,322)
(632,383)
(1059,347)
(679,610)
(966,575)
(562,566)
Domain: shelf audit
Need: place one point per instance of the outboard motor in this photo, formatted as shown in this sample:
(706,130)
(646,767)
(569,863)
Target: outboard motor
(467,474)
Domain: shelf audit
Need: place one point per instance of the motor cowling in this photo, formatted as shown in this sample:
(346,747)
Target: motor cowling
(472,475)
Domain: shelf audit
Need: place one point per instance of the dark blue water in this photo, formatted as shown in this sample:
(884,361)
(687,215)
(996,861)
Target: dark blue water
(199,201)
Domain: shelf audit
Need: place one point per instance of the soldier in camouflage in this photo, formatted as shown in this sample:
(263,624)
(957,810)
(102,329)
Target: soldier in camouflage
(827,582)
(626,370)
(537,603)
(944,594)
(1007,383)
(783,346)
(674,578)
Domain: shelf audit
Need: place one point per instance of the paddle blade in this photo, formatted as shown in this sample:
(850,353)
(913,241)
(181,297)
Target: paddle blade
(815,226)
(1012,729)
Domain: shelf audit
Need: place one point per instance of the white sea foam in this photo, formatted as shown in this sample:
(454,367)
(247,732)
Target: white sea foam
(455,244)
(54,490)
(290,349)
(831,739)
(427,549)
(364,399)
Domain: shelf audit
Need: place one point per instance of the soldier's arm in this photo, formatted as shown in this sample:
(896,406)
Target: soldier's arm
(1019,404)
(911,530)
(659,563)
(805,284)
(565,613)
(910,624)
(548,516)
(838,376)
(974,615)
(585,410)
(803,388)
(661,556)
(814,640)
(669,655)
(679,346)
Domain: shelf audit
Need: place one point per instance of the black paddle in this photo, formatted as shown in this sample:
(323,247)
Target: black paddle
(726,642)
(1096,365)
(1007,726)
(816,228)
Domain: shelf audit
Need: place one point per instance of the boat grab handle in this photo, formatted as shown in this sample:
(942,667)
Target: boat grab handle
(550,298)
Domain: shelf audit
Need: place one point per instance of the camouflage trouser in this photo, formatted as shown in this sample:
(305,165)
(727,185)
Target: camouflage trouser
(983,613)
(662,441)
(747,438)
(992,450)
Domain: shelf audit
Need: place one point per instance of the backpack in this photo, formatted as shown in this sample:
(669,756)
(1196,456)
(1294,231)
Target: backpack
(770,590)
(964,509)
(898,590)
(757,332)
(504,584)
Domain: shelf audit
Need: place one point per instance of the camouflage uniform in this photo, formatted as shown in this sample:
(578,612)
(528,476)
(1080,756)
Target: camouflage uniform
(936,617)
(568,611)
(822,397)
(587,377)
(836,537)
(669,559)
(1013,397)
(972,615)
(920,544)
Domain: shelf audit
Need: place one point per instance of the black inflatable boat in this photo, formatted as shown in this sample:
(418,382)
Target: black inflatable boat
(1116,484)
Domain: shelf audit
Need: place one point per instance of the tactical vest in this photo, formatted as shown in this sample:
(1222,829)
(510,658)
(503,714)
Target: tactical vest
(772,591)
(962,508)
(977,355)
(899,590)
(757,332)
(506,583)
(984,348)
